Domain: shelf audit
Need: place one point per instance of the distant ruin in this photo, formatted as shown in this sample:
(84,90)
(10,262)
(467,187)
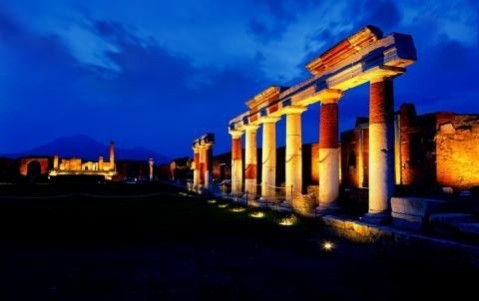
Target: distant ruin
(76,167)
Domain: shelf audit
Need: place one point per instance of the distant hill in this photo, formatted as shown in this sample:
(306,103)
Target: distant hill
(85,147)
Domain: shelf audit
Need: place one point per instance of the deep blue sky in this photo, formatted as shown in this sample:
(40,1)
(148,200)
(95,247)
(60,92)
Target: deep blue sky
(161,73)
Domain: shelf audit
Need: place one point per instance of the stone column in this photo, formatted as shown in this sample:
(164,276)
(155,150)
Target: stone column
(381,149)
(294,167)
(112,155)
(328,153)
(196,170)
(268,174)
(208,151)
(201,170)
(360,165)
(251,161)
(55,162)
(150,169)
(236,163)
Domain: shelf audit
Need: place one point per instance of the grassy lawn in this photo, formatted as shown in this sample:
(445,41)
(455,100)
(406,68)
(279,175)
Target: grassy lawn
(164,245)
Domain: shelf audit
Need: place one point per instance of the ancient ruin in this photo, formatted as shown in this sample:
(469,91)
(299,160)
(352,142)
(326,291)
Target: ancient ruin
(364,57)
(76,166)
(431,151)
(203,162)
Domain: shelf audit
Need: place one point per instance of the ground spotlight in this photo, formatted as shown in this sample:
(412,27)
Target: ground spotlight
(238,209)
(257,214)
(328,246)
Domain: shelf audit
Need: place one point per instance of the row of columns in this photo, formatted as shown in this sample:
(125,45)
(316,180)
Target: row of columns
(203,166)
(381,153)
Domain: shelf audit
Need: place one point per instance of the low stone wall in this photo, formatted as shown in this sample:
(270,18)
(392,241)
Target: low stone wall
(396,240)
(412,213)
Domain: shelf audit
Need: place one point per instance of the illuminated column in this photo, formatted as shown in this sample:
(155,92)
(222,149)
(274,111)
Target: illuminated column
(100,163)
(55,162)
(150,165)
(196,170)
(208,166)
(381,149)
(251,161)
(361,157)
(112,155)
(268,174)
(328,153)
(294,169)
(236,163)
(202,169)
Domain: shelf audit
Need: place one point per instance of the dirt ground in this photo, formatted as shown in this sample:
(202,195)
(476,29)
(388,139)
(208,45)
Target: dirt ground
(169,246)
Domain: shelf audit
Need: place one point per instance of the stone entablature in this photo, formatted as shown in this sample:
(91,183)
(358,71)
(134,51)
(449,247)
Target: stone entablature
(366,56)
(384,57)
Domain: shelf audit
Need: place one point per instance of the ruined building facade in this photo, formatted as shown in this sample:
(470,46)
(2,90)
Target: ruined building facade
(431,150)
(75,166)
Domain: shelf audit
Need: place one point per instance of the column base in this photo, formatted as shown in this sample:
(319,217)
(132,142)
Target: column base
(267,200)
(236,194)
(322,210)
(380,218)
(249,196)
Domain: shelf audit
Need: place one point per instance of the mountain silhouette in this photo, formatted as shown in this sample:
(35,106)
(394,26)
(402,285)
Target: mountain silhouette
(87,148)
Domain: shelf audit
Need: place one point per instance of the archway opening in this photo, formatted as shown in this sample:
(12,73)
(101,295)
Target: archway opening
(34,171)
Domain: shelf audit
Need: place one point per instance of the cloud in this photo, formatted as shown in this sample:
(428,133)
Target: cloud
(161,74)
(151,97)
(384,14)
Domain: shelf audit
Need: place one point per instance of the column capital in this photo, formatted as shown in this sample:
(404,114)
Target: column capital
(330,96)
(270,119)
(208,145)
(251,127)
(385,73)
(293,110)
(236,134)
(379,78)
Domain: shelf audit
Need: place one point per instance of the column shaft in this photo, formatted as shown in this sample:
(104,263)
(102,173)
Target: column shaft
(328,156)
(208,165)
(202,166)
(268,174)
(196,171)
(251,161)
(294,167)
(236,163)
(381,148)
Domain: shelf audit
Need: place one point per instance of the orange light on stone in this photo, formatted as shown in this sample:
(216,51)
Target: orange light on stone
(288,221)
(238,209)
(257,214)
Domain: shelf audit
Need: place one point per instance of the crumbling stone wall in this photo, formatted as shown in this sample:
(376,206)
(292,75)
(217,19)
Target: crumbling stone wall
(457,152)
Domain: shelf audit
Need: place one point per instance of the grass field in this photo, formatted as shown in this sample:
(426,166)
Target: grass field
(108,244)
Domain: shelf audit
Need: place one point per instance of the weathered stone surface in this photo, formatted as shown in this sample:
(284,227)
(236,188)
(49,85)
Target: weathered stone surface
(450,218)
(411,213)
(416,206)
(457,153)
(388,236)
(469,228)
(448,224)
(407,221)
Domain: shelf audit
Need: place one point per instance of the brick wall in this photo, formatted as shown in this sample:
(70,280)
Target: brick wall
(457,152)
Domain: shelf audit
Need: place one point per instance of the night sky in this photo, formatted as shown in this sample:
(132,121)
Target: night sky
(162,73)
